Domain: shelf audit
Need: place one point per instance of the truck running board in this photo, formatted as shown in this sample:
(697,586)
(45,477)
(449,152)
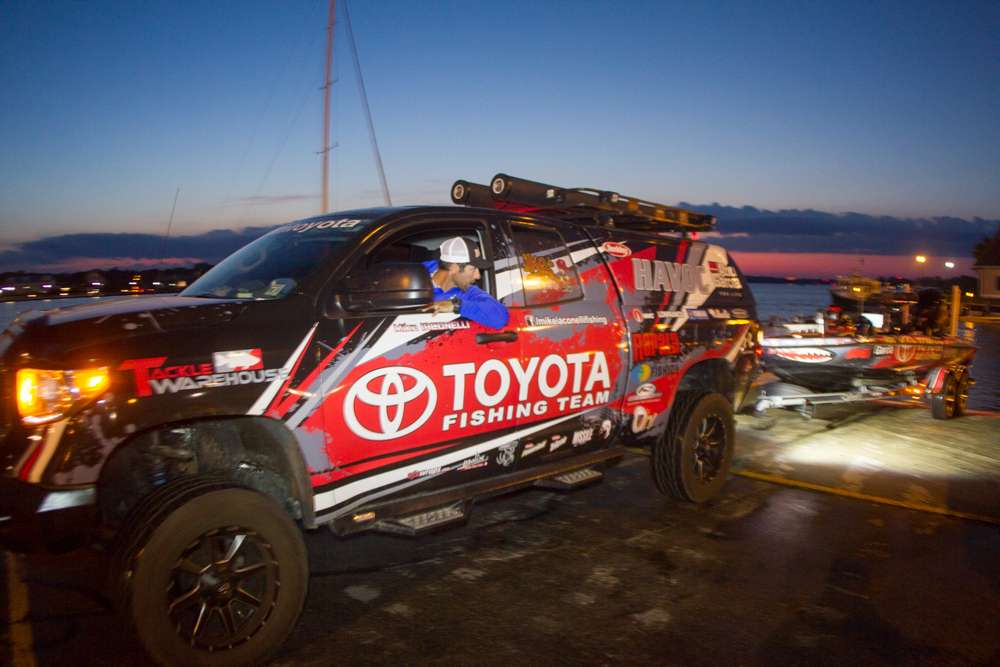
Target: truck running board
(570,481)
(424,522)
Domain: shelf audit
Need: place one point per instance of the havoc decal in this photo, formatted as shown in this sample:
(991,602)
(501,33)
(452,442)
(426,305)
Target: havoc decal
(653,275)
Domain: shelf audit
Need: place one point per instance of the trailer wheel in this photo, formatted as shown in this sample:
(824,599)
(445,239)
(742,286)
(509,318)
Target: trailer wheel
(691,461)
(962,392)
(950,401)
(212,575)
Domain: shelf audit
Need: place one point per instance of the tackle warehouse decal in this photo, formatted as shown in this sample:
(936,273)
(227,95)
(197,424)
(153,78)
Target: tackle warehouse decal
(395,401)
(228,369)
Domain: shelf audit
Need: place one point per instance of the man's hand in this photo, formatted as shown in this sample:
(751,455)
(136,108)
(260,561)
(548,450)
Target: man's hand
(440,307)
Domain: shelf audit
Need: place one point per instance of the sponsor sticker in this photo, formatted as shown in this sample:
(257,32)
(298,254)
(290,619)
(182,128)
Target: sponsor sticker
(238,360)
(338,223)
(506,454)
(549,320)
(402,400)
(642,419)
(606,428)
(656,275)
(472,463)
(415,327)
(582,437)
(394,401)
(643,393)
(616,249)
(655,344)
(557,442)
(534,448)
(154,376)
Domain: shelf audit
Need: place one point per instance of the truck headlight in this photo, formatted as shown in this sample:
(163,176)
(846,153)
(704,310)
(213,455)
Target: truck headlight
(44,396)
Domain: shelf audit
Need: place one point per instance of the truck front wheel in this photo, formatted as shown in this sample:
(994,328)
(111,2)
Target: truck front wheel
(691,461)
(216,576)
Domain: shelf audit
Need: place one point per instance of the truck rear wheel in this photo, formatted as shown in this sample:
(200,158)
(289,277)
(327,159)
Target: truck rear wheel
(691,461)
(212,576)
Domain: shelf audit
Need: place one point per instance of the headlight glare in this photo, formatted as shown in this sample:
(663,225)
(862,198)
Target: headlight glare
(45,395)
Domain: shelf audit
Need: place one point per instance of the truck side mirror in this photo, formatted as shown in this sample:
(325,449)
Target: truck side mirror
(393,286)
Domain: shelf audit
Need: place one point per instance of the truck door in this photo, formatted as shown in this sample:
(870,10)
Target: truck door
(420,401)
(571,373)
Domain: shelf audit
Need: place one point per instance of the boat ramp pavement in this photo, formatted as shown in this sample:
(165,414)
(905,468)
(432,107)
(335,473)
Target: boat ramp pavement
(887,453)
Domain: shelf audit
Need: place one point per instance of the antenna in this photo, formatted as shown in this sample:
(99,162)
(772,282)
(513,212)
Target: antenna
(368,111)
(327,84)
(170,222)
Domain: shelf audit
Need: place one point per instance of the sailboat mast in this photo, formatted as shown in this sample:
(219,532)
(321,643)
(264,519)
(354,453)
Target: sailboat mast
(327,85)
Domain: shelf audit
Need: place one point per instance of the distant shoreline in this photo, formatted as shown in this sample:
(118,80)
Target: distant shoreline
(60,297)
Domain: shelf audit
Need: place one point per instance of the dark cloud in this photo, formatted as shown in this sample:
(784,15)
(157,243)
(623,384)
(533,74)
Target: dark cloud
(99,250)
(808,230)
(744,228)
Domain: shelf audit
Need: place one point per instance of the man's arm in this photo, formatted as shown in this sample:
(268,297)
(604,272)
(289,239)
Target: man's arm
(479,306)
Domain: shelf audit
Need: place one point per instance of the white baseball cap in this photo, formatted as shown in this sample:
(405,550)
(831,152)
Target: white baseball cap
(458,250)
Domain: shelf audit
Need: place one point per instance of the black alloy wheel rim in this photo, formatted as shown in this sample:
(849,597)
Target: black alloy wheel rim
(223,588)
(709,447)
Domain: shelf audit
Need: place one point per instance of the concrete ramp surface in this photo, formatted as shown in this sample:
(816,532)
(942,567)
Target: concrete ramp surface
(895,455)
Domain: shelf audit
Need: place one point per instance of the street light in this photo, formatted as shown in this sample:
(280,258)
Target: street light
(920,259)
(949,265)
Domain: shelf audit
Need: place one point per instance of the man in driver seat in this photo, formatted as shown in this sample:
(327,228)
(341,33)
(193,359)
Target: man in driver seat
(454,275)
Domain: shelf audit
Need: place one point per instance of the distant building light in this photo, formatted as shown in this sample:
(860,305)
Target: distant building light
(47,286)
(970,294)
(96,284)
(63,289)
(7,288)
(949,265)
(157,283)
(132,282)
(920,259)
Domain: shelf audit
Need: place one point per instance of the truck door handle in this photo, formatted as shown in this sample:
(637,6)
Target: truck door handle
(502,337)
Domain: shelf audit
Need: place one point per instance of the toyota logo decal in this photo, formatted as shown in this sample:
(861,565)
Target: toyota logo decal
(385,390)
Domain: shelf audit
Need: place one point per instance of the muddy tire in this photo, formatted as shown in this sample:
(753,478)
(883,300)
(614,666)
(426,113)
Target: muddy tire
(210,574)
(691,461)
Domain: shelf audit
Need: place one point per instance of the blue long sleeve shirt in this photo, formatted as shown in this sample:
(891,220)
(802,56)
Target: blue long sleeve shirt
(477,305)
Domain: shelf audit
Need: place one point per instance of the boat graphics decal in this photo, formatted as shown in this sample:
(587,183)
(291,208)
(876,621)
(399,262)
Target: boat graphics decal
(809,355)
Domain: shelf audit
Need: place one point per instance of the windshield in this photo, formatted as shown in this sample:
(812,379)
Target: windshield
(276,265)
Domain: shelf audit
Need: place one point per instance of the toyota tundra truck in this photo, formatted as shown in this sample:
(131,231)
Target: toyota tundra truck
(308,380)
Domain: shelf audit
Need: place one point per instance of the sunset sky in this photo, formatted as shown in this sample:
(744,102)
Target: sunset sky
(819,133)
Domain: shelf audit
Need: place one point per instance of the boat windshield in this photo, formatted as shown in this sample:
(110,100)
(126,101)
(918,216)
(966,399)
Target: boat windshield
(279,263)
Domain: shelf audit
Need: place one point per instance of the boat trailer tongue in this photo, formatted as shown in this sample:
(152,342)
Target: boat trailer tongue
(787,395)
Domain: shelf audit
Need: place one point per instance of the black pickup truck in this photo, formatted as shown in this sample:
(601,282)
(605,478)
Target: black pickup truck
(308,380)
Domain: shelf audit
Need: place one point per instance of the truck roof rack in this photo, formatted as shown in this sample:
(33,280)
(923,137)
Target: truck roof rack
(607,208)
